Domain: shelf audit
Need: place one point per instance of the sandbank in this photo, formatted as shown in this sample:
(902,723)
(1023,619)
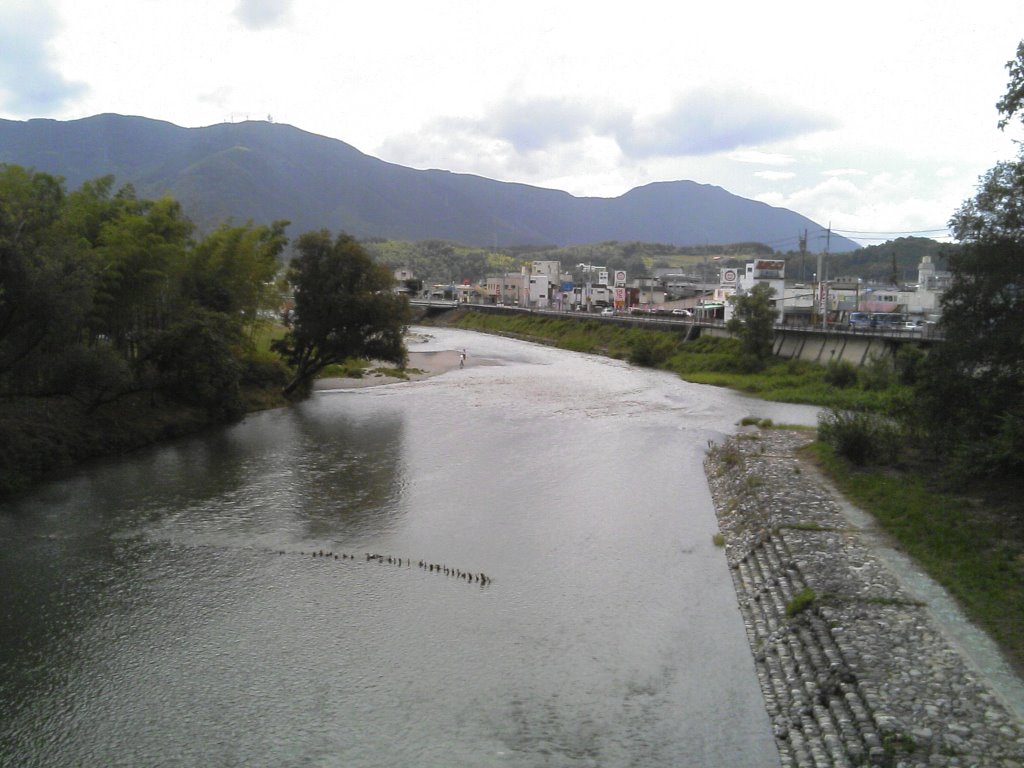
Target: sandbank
(421,365)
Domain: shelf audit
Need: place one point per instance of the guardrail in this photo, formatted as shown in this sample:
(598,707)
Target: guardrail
(928,333)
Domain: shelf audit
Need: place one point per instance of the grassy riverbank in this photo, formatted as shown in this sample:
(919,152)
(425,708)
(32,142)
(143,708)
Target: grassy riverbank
(970,540)
(713,361)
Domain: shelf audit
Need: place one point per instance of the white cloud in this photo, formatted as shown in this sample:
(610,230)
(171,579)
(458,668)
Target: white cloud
(844,172)
(774,175)
(261,14)
(547,139)
(706,122)
(758,157)
(30,81)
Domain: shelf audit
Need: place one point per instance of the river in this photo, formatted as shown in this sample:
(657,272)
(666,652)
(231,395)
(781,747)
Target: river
(166,608)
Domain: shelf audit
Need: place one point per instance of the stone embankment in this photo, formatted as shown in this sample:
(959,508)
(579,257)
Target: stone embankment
(853,668)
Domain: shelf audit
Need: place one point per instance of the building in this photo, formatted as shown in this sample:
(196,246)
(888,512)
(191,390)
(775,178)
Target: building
(770,272)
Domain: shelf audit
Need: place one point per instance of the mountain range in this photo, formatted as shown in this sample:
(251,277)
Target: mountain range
(262,171)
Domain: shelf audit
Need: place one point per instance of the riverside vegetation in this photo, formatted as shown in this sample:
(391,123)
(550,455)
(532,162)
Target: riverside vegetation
(119,327)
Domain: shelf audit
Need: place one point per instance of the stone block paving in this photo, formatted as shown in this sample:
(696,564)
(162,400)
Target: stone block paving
(860,675)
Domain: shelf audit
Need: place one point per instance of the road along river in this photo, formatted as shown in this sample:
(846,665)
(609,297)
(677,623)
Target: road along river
(173,608)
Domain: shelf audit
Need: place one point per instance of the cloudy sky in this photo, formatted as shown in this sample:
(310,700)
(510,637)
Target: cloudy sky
(874,117)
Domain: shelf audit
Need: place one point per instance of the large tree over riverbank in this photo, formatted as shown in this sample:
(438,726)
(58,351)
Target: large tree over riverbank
(972,393)
(344,307)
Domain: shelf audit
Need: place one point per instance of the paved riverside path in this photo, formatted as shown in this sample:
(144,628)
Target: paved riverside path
(882,668)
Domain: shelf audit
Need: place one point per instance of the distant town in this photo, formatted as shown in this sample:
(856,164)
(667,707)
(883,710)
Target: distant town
(848,302)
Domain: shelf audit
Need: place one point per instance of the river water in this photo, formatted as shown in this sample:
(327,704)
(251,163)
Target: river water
(166,609)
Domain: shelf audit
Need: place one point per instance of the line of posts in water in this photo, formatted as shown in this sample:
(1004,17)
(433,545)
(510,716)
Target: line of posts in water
(440,568)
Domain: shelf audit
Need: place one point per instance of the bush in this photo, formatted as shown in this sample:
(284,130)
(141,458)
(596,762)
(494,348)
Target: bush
(878,374)
(908,361)
(861,438)
(264,373)
(841,374)
(802,601)
(649,350)
(194,364)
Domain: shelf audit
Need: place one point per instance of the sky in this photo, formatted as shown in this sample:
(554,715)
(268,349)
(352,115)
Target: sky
(873,118)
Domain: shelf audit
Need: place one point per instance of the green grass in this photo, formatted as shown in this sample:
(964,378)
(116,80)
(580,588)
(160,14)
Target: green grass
(800,602)
(971,544)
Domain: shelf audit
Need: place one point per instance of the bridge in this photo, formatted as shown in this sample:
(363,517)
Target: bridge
(428,307)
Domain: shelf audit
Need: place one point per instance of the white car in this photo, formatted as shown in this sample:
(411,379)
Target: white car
(608,311)
(682,312)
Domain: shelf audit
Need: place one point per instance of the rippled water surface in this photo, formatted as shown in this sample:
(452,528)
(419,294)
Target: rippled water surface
(165,609)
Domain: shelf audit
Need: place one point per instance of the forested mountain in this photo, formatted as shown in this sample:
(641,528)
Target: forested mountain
(263,172)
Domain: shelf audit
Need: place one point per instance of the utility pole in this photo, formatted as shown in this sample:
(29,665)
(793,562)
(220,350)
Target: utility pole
(822,297)
(803,253)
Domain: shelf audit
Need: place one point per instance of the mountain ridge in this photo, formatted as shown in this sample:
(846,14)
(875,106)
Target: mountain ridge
(263,171)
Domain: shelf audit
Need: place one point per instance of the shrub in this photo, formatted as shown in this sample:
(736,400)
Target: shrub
(841,374)
(908,361)
(264,373)
(194,364)
(861,438)
(801,601)
(878,374)
(649,350)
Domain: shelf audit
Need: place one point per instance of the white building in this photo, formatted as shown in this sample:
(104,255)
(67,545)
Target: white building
(770,272)
(539,290)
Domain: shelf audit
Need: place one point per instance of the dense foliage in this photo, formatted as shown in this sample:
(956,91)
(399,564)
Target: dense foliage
(344,307)
(972,387)
(113,316)
(753,322)
(104,295)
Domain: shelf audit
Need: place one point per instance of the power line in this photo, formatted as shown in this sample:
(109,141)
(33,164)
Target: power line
(895,232)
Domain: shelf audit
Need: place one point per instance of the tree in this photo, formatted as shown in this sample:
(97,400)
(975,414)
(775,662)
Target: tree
(344,307)
(971,388)
(194,361)
(753,322)
(232,270)
(45,281)
(1013,101)
(141,259)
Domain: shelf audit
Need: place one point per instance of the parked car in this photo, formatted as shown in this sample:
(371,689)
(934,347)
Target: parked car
(682,312)
(608,311)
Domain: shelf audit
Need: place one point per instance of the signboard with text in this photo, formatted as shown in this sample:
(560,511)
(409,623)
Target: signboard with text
(769,269)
